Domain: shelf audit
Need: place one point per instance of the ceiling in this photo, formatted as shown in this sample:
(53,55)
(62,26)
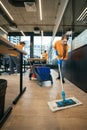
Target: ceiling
(58,16)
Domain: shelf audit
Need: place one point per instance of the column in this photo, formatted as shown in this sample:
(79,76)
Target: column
(32,46)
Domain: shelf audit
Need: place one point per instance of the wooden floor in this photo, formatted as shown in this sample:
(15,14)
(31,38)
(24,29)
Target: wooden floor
(32,112)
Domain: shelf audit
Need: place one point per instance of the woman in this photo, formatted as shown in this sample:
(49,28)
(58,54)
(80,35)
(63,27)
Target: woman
(61,48)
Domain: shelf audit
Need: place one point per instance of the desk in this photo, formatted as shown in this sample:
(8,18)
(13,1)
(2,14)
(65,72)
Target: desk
(41,60)
(33,60)
(8,48)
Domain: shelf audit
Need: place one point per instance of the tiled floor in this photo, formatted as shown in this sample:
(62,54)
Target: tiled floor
(32,112)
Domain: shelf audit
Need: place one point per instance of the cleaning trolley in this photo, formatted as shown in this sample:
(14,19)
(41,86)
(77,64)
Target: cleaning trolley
(43,74)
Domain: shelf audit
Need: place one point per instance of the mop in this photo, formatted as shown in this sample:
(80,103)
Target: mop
(64,102)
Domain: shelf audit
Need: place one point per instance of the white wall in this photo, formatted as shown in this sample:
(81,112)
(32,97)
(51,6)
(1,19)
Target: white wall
(80,40)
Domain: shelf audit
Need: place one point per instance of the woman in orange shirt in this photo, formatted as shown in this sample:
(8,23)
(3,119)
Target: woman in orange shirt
(45,56)
(61,48)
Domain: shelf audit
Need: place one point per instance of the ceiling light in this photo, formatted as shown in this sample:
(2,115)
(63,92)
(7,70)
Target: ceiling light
(69,32)
(82,15)
(41,32)
(36,30)
(22,33)
(3,30)
(40,9)
(13,28)
(6,11)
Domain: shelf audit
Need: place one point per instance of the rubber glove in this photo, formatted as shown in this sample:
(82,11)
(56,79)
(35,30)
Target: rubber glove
(56,53)
(60,61)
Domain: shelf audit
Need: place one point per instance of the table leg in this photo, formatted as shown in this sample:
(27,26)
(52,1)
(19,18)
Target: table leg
(22,90)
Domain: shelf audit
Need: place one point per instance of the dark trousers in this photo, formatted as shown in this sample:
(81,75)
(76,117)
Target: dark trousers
(62,68)
(14,62)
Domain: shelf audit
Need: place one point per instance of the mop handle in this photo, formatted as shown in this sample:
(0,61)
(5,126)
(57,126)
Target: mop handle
(61,77)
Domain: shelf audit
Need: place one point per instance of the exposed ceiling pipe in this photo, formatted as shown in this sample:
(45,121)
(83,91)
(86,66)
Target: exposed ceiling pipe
(59,16)
(6,15)
(24,24)
(60,13)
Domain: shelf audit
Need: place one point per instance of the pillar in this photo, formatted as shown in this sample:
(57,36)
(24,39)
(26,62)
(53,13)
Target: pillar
(32,46)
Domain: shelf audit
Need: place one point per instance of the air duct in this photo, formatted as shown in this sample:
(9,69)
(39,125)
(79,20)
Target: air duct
(30,6)
(20,3)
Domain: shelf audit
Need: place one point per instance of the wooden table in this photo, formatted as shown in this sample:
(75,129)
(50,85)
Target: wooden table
(41,60)
(7,47)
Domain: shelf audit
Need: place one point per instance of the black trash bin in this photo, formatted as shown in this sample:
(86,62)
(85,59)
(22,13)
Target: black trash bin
(3,85)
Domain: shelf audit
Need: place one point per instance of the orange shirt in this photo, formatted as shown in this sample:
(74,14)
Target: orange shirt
(45,56)
(59,47)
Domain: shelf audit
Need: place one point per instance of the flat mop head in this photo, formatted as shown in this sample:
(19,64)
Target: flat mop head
(60,104)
